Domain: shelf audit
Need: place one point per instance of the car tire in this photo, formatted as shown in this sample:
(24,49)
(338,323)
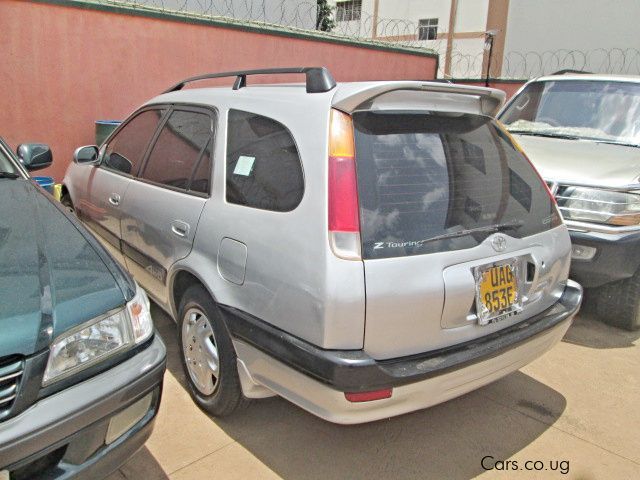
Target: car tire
(203,337)
(66,202)
(618,303)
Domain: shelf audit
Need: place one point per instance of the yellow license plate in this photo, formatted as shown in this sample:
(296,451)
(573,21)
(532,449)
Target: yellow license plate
(497,292)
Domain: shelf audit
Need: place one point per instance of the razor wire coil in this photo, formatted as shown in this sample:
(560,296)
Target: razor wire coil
(301,15)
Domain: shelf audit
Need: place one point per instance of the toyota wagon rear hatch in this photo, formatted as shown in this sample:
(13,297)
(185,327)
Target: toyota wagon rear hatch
(458,232)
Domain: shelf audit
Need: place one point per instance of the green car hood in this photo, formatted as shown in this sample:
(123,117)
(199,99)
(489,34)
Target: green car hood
(53,273)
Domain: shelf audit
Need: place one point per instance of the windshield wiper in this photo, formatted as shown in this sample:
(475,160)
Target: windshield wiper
(545,134)
(470,231)
(9,175)
(613,142)
(572,137)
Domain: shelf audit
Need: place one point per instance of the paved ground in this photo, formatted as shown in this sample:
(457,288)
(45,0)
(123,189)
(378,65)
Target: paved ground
(580,403)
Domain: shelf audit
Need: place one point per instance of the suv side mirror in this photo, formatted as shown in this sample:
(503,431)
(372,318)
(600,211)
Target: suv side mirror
(87,155)
(34,156)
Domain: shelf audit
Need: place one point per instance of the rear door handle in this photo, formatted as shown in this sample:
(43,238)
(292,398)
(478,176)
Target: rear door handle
(114,199)
(180,228)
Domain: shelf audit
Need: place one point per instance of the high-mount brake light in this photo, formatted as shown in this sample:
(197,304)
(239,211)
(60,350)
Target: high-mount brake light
(344,215)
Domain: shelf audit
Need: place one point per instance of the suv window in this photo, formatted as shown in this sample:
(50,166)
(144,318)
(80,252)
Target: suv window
(422,176)
(124,152)
(181,156)
(263,164)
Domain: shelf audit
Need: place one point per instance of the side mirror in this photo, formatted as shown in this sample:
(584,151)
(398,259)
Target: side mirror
(86,155)
(34,156)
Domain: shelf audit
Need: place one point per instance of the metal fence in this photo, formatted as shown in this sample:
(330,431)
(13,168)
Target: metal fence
(524,65)
(286,13)
(464,63)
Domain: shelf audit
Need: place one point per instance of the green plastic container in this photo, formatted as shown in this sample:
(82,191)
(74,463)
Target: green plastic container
(104,129)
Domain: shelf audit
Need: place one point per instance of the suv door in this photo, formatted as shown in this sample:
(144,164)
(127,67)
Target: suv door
(163,207)
(106,185)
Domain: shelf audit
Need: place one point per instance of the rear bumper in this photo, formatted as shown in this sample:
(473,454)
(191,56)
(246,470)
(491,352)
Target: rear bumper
(64,436)
(316,379)
(617,257)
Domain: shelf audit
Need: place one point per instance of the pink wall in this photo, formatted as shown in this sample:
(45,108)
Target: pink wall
(64,67)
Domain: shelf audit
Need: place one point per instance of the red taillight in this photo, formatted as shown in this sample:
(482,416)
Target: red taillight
(368,396)
(343,208)
(343,186)
(343,195)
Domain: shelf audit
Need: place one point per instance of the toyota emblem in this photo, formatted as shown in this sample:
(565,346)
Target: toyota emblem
(499,243)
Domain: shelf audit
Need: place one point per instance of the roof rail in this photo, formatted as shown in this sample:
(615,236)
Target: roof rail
(569,71)
(319,79)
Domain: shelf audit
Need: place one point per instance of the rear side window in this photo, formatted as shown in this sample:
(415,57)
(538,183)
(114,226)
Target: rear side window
(181,156)
(263,165)
(426,175)
(125,151)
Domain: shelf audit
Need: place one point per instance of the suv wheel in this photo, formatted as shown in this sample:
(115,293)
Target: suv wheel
(208,357)
(619,303)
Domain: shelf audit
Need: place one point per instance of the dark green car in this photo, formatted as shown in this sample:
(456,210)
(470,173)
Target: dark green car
(81,367)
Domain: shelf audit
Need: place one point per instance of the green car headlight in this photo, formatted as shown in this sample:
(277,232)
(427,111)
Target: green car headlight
(99,339)
(599,206)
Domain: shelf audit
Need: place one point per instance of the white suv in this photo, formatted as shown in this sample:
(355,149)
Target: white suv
(582,131)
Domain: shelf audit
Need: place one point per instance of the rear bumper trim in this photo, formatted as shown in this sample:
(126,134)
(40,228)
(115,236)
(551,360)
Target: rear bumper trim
(355,371)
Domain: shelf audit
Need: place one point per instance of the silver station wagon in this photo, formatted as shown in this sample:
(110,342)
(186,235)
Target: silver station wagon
(363,249)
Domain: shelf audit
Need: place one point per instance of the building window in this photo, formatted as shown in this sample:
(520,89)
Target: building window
(349,10)
(428,29)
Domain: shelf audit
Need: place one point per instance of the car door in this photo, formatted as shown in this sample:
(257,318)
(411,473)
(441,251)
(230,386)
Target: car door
(164,204)
(99,206)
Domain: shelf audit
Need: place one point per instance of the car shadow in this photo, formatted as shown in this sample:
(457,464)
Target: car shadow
(142,465)
(589,331)
(445,441)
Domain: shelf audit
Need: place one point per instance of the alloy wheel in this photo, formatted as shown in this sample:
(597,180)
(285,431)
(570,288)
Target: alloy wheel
(200,351)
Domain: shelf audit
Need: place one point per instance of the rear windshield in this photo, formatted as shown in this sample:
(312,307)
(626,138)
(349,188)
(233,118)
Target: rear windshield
(425,175)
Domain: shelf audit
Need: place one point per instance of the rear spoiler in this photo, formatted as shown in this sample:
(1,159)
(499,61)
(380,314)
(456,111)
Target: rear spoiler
(490,99)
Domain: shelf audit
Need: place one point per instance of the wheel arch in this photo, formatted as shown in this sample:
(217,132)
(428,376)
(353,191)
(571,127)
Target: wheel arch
(181,279)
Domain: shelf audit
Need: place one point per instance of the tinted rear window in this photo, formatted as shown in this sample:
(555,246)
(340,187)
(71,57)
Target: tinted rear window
(422,175)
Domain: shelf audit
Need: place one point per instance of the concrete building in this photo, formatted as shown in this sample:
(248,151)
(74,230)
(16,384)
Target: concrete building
(530,37)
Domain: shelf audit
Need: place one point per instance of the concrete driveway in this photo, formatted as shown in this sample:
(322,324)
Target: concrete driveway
(576,409)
